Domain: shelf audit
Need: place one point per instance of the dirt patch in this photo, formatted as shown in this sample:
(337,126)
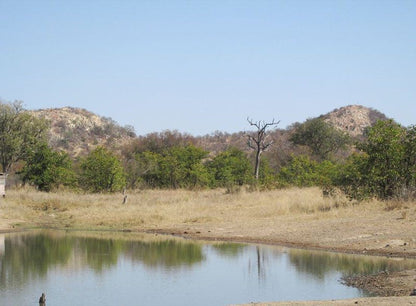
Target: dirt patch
(384,283)
(377,301)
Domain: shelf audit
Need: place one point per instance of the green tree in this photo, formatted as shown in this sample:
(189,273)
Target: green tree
(176,167)
(303,172)
(385,150)
(321,137)
(48,169)
(386,166)
(101,171)
(231,167)
(410,157)
(352,177)
(19,133)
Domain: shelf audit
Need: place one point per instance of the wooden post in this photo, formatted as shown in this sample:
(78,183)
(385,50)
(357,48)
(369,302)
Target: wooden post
(3,184)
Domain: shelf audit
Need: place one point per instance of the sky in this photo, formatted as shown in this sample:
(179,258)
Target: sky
(205,66)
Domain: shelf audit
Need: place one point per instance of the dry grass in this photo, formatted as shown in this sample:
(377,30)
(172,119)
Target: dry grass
(165,208)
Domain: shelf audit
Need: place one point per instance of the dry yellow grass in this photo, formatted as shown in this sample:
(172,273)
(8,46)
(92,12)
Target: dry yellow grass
(162,208)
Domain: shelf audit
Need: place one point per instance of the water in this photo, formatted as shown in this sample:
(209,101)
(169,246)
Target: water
(75,268)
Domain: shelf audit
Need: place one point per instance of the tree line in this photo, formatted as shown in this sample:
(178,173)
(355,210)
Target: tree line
(382,164)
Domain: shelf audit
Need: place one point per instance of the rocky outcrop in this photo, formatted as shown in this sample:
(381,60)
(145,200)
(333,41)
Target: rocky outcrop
(354,119)
(77,131)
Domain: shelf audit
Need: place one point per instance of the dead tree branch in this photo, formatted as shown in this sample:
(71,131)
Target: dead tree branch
(259,140)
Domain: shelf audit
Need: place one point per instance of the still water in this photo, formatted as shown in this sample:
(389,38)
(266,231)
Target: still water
(93,268)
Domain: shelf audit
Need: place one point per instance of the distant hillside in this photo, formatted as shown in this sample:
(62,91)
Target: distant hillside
(77,130)
(354,119)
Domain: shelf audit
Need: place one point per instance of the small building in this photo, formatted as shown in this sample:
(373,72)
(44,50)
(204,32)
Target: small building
(3,184)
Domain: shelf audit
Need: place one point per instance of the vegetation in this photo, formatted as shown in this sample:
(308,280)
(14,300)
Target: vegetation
(19,133)
(323,139)
(176,167)
(259,142)
(229,168)
(101,171)
(381,164)
(48,169)
(386,166)
(302,171)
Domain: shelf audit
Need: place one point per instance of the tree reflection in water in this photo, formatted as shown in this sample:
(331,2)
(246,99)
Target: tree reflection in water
(99,253)
(227,249)
(28,256)
(165,253)
(319,264)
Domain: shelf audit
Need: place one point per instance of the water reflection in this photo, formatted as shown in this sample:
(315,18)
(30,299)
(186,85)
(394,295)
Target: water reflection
(167,253)
(229,273)
(319,264)
(99,254)
(229,249)
(26,256)
(29,256)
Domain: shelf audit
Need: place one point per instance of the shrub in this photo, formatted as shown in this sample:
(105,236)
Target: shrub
(48,169)
(101,171)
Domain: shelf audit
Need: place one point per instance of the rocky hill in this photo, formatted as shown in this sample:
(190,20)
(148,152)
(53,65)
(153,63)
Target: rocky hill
(77,130)
(354,119)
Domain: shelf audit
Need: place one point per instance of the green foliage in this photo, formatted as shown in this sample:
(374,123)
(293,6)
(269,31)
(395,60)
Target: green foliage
(101,171)
(267,175)
(229,168)
(322,138)
(409,161)
(19,133)
(352,178)
(386,167)
(176,167)
(48,169)
(303,172)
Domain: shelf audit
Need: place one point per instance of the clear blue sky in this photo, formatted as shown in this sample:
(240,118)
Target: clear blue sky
(202,66)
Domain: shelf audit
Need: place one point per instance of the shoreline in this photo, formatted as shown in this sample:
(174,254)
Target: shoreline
(296,218)
(383,285)
(372,283)
(289,244)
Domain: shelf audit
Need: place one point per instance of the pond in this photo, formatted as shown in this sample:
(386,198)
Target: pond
(97,268)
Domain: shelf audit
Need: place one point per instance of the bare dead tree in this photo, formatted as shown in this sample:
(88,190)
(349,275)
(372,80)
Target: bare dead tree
(259,141)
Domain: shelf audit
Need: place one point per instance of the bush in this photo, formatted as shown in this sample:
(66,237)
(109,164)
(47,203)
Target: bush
(230,168)
(304,172)
(101,171)
(47,169)
(176,167)
(386,166)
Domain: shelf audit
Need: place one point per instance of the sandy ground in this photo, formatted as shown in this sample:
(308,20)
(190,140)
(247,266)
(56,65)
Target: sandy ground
(364,229)
(386,301)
